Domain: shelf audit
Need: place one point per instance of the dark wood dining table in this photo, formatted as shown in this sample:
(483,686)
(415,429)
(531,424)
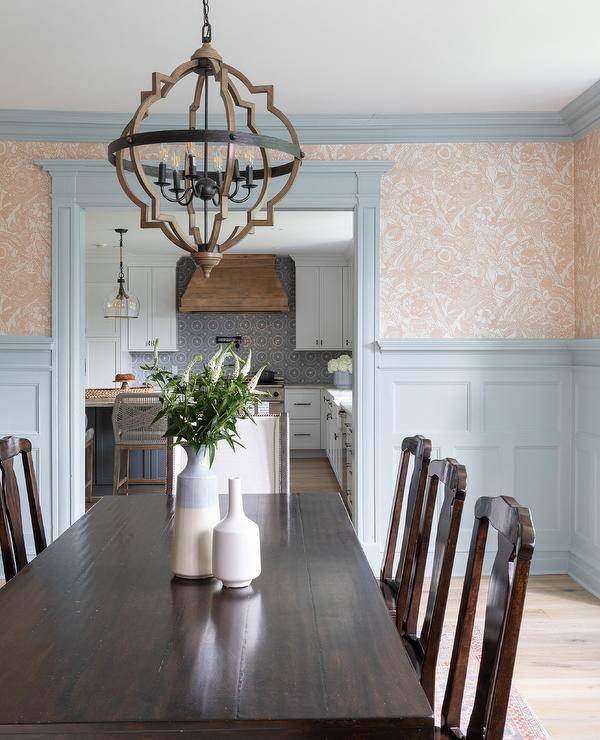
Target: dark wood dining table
(98,640)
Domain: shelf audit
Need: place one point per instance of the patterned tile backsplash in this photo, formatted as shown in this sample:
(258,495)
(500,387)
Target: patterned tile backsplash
(271,336)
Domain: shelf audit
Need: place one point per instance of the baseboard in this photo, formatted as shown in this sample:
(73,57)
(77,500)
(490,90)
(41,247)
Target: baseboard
(586,573)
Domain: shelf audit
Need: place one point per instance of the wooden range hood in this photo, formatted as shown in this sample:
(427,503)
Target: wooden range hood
(240,283)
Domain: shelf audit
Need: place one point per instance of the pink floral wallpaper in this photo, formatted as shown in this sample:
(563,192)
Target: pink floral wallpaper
(587,236)
(477,239)
(25,233)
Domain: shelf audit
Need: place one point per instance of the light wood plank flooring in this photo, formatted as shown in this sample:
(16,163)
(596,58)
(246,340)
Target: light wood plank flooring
(312,474)
(558,660)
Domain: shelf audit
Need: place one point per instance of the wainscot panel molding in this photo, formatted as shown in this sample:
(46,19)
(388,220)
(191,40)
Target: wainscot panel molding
(503,408)
(66,126)
(584,562)
(27,410)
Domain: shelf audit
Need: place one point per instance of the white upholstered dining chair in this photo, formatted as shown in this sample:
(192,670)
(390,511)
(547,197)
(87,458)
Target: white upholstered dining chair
(263,463)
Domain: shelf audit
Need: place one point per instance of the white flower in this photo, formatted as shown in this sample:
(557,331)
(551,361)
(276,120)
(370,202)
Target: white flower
(343,364)
(254,381)
(246,366)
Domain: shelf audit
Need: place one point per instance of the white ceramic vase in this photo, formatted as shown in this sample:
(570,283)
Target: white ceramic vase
(236,543)
(342,379)
(196,514)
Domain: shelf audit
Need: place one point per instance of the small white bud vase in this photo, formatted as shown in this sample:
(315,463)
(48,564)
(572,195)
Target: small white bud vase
(196,514)
(236,543)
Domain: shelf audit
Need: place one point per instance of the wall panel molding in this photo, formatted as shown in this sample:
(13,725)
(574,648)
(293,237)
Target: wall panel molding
(27,409)
(512,430)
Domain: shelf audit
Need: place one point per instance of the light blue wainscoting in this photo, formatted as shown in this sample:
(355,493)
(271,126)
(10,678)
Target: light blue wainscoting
(503,409)
(26,410)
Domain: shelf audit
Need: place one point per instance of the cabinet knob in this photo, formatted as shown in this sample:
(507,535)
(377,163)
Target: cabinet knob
(317,342)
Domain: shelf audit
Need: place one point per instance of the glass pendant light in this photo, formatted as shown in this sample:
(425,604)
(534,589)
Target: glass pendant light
(122,305)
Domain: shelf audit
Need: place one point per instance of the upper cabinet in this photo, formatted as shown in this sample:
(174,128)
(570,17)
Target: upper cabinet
(323,297)
(348,305)
(155,289)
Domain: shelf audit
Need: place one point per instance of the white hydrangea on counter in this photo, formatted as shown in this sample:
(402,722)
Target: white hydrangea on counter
(342,364)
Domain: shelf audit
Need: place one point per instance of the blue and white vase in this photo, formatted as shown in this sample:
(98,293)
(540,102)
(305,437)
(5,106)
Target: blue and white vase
(196,514)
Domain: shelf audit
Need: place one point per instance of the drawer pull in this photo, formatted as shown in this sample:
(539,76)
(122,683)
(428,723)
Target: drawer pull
(301,434)
(296,403)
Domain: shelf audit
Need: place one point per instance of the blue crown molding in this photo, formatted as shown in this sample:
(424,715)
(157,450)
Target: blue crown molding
(575,120)
(583,114)
(66,126)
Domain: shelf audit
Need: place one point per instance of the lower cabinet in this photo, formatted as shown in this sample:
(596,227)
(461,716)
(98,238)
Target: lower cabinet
(305,434)
(304,408)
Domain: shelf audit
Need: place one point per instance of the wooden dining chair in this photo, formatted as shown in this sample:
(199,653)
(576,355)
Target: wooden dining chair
(422,645)
(12,539)
(504,610)
(394,586)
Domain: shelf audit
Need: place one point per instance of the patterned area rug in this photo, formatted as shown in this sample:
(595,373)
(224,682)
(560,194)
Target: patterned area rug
(521,722)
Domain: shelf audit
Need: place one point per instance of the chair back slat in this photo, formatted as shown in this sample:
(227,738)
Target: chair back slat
(12,538)
(452,477)
(504,611)
(420,449)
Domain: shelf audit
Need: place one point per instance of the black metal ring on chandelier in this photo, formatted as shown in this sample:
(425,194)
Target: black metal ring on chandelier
(209,136)
(152,170)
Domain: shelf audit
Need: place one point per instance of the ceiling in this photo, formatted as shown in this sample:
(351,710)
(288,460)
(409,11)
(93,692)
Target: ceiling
(337,57)
(296,232)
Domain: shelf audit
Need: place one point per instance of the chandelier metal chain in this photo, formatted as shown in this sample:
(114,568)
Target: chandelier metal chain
(206,27)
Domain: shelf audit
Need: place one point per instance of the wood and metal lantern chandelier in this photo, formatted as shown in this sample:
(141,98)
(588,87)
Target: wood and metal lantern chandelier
(199,167)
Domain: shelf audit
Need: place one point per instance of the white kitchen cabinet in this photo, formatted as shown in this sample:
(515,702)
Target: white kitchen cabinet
(304,408)
(347,305)
(308,288)
(330,307)
(102,361)
(320,304)
(155,289)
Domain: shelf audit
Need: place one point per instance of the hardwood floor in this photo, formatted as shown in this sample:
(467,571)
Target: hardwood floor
(558,660)
(312,474)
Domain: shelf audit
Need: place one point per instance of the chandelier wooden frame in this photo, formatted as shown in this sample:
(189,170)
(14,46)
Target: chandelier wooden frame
(206,62)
